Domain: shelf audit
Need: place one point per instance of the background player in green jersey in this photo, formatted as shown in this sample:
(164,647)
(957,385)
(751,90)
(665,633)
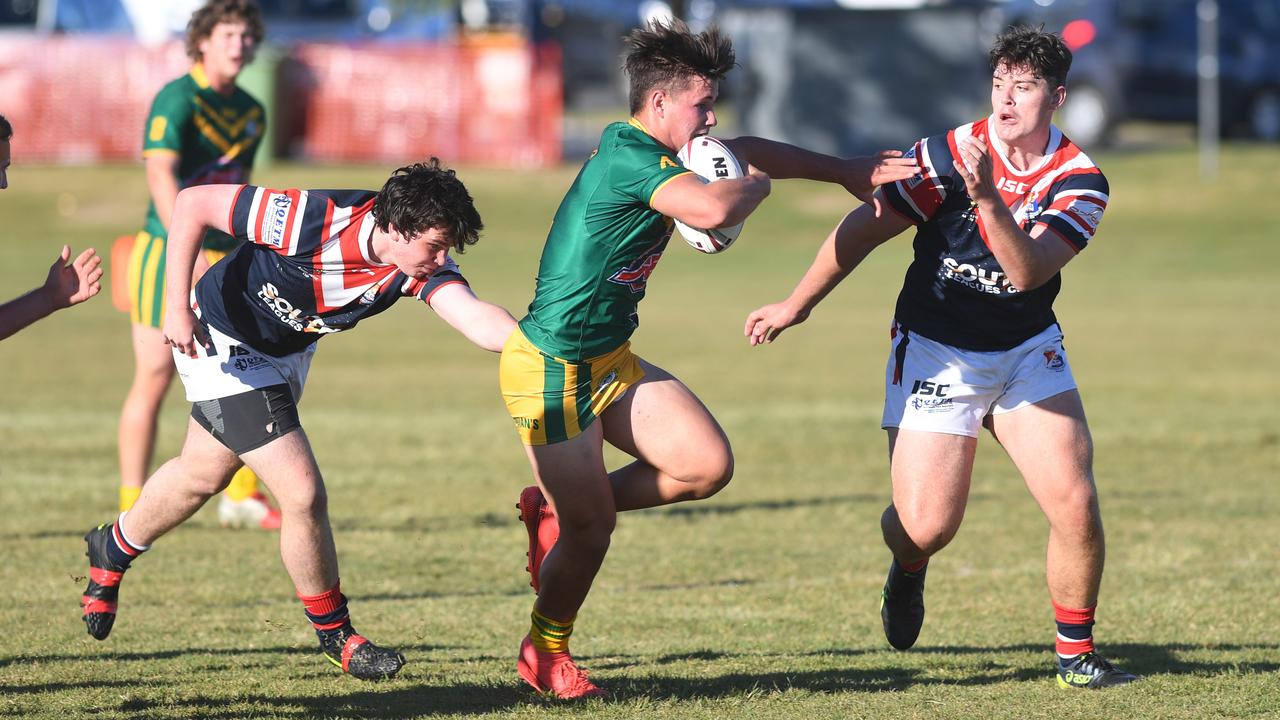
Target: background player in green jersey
(202,129)
(570,364)
(66,285)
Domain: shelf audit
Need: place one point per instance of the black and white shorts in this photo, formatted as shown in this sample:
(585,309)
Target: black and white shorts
(934,387)
(243,397)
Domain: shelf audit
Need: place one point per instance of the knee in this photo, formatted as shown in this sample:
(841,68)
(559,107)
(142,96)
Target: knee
(710,474)
(590,531)
(926,527)
(1075,512)
(304,500)
(152,379)
(200,477)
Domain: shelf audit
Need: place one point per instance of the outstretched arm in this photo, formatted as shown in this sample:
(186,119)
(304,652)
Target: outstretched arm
(65,286)
(860,232)
(196,210)
(859,175)
(485,324)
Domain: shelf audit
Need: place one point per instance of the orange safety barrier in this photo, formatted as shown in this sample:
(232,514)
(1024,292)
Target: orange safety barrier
(496,104)
(495,101)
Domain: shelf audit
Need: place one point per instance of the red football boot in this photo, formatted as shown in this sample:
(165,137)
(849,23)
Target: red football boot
(540,520)
(555,673)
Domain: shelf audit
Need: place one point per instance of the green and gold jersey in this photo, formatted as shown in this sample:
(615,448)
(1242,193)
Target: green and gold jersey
(604,243)
(215,137)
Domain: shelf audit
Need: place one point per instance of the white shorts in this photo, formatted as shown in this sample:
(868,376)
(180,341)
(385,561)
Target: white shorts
(231,367)
(938,388)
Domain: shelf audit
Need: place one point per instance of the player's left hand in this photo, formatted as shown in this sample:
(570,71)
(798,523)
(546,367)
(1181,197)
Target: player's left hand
(974,166)
(765,324)
(865,174)
(72,284)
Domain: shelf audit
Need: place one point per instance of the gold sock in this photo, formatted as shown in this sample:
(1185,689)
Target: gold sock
(128,496)
(244,484)
(550,635)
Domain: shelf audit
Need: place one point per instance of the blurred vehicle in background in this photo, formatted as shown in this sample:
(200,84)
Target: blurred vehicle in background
(1137,59)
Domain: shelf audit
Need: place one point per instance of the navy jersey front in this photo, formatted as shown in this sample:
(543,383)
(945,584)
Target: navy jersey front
(955,291)
(305,269)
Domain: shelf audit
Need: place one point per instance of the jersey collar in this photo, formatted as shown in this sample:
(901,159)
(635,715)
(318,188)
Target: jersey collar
(1055,139)
(198,74)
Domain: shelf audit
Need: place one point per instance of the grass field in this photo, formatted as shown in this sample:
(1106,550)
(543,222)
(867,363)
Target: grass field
(759,603)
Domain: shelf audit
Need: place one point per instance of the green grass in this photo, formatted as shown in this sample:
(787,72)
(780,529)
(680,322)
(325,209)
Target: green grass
(758,603)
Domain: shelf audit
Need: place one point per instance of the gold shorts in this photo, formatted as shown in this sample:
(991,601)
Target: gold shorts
(146,278)
(553,400)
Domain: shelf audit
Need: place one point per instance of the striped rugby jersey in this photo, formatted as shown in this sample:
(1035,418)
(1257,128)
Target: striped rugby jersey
(305,269)
(955,291)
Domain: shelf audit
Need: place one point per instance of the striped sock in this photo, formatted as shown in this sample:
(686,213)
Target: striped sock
(120,551)
(550,635)
(328,612)
(1075,632)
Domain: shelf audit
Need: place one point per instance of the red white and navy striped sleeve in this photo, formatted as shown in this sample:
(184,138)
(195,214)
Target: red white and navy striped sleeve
(273,218)
(1076,207)
(447,274)
(917,198)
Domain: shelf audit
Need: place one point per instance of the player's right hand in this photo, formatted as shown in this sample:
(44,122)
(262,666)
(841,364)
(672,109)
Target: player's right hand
(183,332)
(766,323)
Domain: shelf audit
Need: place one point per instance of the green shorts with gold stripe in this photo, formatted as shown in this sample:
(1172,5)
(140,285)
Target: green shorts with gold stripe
(146,278)
(553,400)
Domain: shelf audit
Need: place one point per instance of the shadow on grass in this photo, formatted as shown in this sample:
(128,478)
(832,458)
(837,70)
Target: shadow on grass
(390,700)
(729,508)
(644,679)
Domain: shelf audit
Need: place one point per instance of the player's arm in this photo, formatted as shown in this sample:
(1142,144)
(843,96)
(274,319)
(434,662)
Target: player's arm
(162,182)
(860,232)
(196,210)
(66,285)
(1029,260)
(483,323)
(859,175)
(700,204)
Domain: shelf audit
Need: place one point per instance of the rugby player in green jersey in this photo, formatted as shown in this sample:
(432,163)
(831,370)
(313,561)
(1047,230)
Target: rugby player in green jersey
(66,285)
(568,375)
(203,129)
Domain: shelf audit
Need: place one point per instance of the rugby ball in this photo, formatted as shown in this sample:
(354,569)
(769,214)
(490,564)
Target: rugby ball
(710,160)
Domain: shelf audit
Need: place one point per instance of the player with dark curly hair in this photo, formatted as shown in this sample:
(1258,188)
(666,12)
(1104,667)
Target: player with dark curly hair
(1002,204)
(311,262)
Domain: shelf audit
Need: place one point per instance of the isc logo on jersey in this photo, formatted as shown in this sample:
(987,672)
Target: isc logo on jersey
(273,224)
(711,160)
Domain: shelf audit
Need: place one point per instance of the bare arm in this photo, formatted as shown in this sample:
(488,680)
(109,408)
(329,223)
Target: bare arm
(196,210)
(700,204)
(66,285)
(1028,260)
(860,232)
(859,175)
(485,324)
(162,182)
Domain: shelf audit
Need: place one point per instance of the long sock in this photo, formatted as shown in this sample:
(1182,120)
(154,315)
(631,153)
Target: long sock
(1075,632)
(550,635)
(328,612)
(128,496)
(243,485)
(120,550)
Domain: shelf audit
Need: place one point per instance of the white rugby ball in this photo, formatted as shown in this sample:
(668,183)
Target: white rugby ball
(710,160)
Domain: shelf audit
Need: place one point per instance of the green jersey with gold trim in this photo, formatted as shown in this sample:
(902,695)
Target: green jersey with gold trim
(215,136)
(604,243)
